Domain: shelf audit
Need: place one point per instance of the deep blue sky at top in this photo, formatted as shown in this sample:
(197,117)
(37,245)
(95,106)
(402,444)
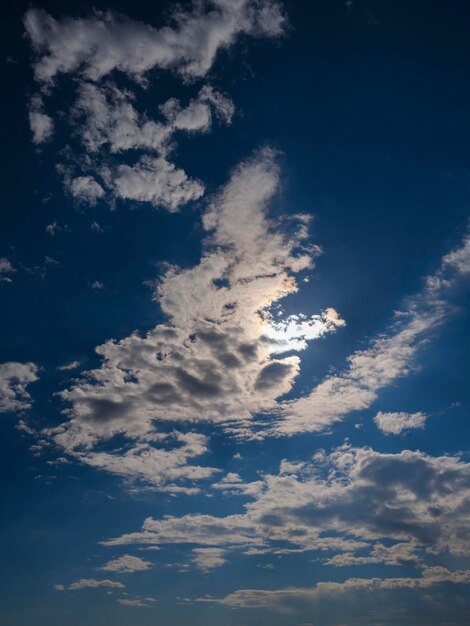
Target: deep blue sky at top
(368,104)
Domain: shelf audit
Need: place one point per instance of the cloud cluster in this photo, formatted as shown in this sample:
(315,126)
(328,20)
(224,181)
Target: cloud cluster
(220,357)
(352,500)
(104,118)
(14,378)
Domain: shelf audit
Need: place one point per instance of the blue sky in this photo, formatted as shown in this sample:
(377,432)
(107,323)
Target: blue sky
(234,270)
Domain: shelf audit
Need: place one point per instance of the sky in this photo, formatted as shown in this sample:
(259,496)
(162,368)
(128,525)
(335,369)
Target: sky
(234,275)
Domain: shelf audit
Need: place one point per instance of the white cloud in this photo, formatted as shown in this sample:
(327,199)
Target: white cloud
(137,602)
(353,499)
(389,357)
(396,423)
(104,118)
(14,378)
(103,42)
(41,124)
(126,564)
(279,598)
(207,559)
(157,181)
(216,359)
(90,583)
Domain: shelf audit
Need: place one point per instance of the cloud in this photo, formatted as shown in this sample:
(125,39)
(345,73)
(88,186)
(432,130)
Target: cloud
(353,499)
(157,181)
(86,189)
(14,378)
(390,356)
(90,583)
(105,120)
(6,267)
(137,602)
(279,598)
(68,366)
(396,423)
(216,359)
(208,558)
(104,42)
(126,564)
(41,124)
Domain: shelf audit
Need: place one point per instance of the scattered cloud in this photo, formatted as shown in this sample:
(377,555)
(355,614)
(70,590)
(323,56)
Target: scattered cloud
(390,356)
(220,357)
(41,124)
(207,559)
(90,583)
(69,366)
(14,378)
(351,500)
(396,423)
(279,598)
(126,564)
(6,268)
(104,42)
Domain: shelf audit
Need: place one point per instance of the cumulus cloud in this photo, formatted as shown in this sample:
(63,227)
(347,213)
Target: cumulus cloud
(219,357)
(14,378)
(354,499)
(396,423)
(126,564)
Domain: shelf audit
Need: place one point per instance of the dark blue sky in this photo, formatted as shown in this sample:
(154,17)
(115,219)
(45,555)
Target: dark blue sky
(366,106)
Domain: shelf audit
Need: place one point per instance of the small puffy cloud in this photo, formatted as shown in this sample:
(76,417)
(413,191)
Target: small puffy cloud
(126,564)
(157,181)
(90,583)
(396,423)
(14,378)
(216,359)
(86,189)
(208,558)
